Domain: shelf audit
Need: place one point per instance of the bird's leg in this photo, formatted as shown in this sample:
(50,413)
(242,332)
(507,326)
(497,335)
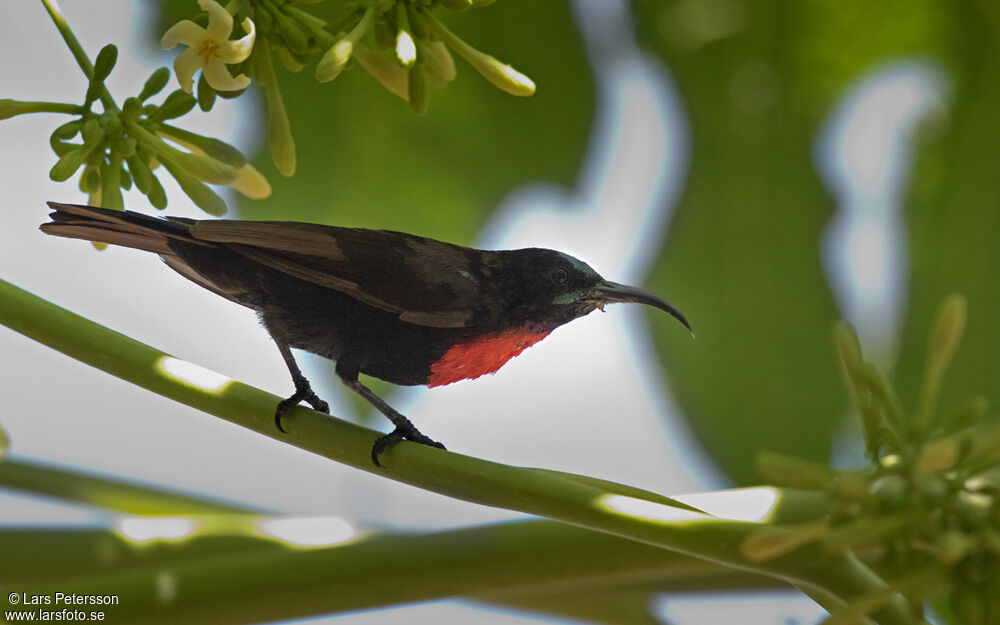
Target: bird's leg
(405,430)
(303,392)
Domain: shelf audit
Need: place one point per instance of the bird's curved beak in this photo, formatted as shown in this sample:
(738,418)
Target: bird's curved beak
(612,292)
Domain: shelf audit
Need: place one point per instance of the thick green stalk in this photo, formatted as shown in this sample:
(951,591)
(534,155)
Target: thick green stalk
(542,493)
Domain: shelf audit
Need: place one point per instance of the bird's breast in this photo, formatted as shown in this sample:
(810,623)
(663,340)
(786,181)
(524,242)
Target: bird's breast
(478,355)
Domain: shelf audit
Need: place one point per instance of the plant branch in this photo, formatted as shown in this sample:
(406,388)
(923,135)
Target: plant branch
(600,574)
(9,108)
(226,579)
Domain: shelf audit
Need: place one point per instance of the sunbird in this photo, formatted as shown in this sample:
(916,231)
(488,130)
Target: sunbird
(402,308)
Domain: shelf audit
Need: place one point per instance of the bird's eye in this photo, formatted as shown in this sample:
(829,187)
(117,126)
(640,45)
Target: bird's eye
(559,275)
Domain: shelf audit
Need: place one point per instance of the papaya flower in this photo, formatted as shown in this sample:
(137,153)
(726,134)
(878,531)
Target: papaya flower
(209,49)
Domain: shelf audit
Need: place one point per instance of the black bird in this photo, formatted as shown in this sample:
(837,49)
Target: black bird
(399,307)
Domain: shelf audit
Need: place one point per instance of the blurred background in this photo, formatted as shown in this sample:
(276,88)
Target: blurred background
(769,167)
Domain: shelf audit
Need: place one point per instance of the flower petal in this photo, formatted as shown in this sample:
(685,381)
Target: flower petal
(185,65)
(221,80)
(184,31)
(238,51)
(220,22)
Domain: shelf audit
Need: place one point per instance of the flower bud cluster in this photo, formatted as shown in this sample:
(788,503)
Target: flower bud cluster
(926,510)
(399,42)
(117,148)
(420,49)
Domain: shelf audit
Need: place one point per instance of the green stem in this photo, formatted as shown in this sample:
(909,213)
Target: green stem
(78,53)
(453,41)
(578,502)
(110,494)
(363,26)
(19,107)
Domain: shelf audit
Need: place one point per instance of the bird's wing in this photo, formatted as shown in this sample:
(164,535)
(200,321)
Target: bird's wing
(426,282)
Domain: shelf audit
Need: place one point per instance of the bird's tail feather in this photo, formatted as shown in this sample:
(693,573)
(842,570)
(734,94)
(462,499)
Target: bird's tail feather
(125,228)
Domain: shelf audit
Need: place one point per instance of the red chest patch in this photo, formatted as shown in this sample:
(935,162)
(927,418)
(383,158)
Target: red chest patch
(485,354)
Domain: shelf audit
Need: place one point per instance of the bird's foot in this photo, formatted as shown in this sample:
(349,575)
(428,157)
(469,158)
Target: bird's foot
(303,392)
(399,434)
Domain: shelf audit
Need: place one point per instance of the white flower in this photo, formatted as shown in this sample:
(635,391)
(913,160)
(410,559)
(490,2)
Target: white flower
(210,49)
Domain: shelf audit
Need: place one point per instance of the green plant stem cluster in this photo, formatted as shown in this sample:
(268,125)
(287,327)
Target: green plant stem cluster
(926,505)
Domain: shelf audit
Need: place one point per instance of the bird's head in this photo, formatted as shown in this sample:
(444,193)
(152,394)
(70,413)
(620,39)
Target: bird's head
(559,288)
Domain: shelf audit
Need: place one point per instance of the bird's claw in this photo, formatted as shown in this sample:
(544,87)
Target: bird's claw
(303,392)
(317,403)
(386,441)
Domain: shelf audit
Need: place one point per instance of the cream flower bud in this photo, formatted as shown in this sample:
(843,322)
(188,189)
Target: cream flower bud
(500,74)
(335,59)
(251,183)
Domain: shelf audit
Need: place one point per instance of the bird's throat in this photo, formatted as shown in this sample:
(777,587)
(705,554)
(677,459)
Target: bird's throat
(477,356)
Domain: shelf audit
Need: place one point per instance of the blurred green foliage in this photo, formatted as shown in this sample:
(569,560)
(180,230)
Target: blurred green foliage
(953,213)
(758,79)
